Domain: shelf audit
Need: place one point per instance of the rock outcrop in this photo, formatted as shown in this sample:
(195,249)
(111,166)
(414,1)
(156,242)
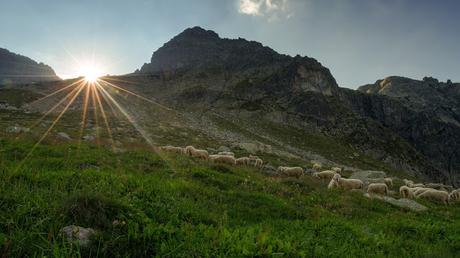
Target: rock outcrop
(17,69)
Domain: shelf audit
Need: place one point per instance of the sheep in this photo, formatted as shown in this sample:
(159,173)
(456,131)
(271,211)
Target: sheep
(173,149)
(227,153)
(408,182)
(327,174)
(291,171)
(377,188)
(317,166)
(455,195)
(406,192)
(388,181)
(419,190)
(255,161)
(411,183)
(333,184)
(441,196)
(347,184)
(439,186)
(337,170)
(259,163)
(242,161)
(227,159)
(191,151)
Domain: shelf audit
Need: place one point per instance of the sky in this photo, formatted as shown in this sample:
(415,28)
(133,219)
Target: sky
(360,41)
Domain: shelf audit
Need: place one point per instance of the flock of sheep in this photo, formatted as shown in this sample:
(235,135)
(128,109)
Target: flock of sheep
(432,191)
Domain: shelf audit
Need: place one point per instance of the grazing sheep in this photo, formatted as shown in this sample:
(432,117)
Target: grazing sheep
(344,183)
(191,151)
(455,195)
(255,161)
(317,166)
(439,186)
(406,192)
(227,153)
(419,190)
(337,170)
(333,184)
(259,163)
(173,149)
(242,161)
(388,181)
(377,188)
(327,174)
(432,194)
(349,184)
(291,171)
(408,183)
(227,159)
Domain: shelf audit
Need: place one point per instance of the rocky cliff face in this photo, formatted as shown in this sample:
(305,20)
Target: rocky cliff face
(426,113)
(400,125)
(17,69)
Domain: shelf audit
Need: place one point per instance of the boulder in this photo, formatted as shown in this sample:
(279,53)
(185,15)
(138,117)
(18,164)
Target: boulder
(63,136)
(403,203)
(78,235)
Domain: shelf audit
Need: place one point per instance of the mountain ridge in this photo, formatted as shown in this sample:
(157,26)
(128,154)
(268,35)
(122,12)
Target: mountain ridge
(237,77)
(19,69)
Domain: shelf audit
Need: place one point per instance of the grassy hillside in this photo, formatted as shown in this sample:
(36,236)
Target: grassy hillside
(170,205)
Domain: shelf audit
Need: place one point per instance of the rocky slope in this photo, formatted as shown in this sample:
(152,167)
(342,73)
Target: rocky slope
(246,82)
(17,69)
(426,113)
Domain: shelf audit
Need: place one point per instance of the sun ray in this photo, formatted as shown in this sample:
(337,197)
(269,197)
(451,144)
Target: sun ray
(96,118)
(55,92)
(50,127)
(128,116)
(69,95)
(84,113)
(137,95)
(104,116)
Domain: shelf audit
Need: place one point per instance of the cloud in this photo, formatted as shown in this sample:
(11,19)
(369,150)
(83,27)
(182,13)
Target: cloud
(273,10)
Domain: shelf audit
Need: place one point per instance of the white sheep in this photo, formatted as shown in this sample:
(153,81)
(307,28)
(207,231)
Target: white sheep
(327,174)
(227,159)
(347,184)
(433,194)
(377,188)
(337,170)
(259,163)
(242,161)
(406,192)
(291,171)
(419,190)
(227,153)
(173,149)
(191,151)
(388,181)
(317,166)
(455,195)
(408,183)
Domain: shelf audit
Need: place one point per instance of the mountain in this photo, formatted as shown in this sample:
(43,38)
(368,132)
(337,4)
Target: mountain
(245,81)
(18,69)
(426,113)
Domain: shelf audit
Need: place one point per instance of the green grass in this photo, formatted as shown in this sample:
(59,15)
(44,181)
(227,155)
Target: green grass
(175,206)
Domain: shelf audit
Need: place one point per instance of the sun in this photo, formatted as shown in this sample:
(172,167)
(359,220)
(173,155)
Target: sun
(91,73)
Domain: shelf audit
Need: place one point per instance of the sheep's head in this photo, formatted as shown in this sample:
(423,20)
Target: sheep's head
(336,177)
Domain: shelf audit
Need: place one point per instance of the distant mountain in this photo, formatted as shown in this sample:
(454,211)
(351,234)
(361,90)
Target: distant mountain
(410,125)
(18,69)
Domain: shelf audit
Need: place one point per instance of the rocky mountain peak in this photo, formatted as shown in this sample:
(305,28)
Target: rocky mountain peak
(17,69)
(199,51)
